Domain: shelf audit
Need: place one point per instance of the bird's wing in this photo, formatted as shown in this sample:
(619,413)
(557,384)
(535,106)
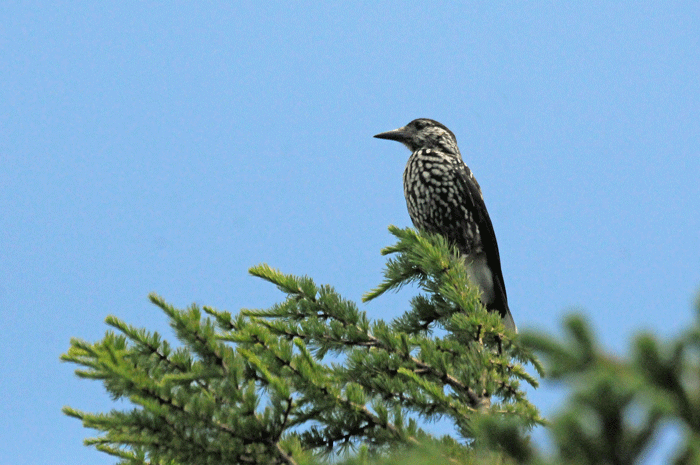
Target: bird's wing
(481,217)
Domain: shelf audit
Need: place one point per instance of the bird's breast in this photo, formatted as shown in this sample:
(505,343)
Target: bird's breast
(436,199)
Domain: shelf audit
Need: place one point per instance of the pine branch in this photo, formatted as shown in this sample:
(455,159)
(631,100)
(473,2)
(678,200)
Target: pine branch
(254,388)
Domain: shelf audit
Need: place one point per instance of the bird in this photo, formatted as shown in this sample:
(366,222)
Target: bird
(443,197)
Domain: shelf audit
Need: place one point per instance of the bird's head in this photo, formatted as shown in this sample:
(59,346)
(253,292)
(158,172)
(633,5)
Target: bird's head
(424,133)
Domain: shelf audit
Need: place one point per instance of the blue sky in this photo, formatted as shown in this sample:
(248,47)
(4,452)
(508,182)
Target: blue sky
(168,147)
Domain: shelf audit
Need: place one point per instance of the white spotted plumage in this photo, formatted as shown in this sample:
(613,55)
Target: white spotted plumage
(443,196)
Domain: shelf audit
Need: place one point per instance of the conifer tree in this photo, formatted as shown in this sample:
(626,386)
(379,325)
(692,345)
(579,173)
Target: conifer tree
(312,376)
(618,407)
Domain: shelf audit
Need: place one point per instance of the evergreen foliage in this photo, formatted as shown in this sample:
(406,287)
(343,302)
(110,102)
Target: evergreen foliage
(311,376)
(619,407)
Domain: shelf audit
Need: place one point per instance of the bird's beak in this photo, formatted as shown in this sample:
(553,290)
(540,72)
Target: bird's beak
(399,135)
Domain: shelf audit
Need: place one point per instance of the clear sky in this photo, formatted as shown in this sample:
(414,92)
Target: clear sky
(169,146)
